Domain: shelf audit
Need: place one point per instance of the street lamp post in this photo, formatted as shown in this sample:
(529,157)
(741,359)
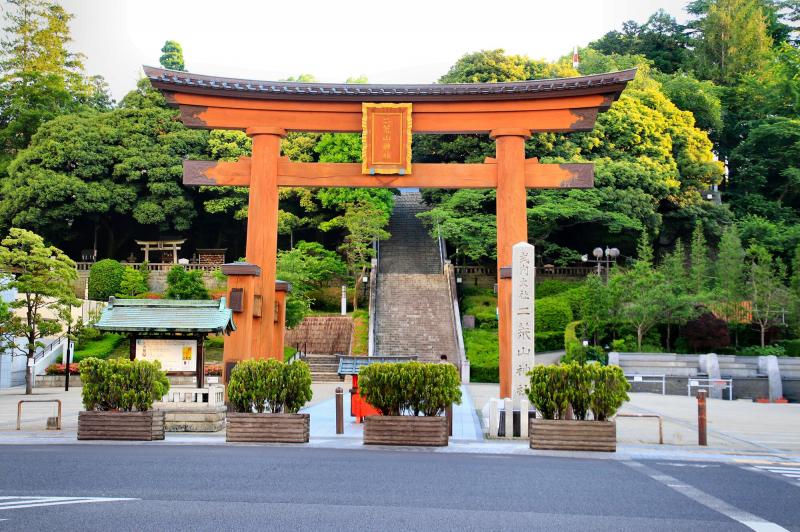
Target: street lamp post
(601,256)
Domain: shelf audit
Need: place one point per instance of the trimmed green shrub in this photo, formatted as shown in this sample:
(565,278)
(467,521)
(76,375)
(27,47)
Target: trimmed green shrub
(609,391)
(548,340)
(410,388)
(484,307)
(185,285)
(767,350)
(105,278)
(549,390)
(481,348)
(585,387)
(580,378)
(269,386)
(575,299)
(552,314)
(122,384)
(100,347)
(572,345)
(553,287)
(133,283)
(791,347)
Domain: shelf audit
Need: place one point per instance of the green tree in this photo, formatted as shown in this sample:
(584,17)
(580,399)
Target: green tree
(765,176)
(308,266)
(730,278)
(680,305)
(39,77)
(733,40)
(643,293)
(364,224)
(182,284)
(133,283)
(42,276)
(700,268)
(769,298)
(116,172)
(172,56)
(661,40)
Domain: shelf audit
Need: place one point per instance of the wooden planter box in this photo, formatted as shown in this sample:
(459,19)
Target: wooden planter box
(571,435)
(405,430)
(139,426)
(267,428)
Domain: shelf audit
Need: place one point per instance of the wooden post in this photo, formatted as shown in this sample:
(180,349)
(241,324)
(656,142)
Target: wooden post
(200,361)
(262,233)
(339,410)
(702,435)
(512,227)
(132,349)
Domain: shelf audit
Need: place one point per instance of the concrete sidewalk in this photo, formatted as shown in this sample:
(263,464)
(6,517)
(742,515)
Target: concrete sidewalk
(733,425)
(737,429)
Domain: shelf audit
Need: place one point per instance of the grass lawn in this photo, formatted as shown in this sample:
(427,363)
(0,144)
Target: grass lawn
(101,347)
(361,334)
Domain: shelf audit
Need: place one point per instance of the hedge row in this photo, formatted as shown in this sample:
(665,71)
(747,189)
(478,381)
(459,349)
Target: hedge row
(410,388)
(269,385)
(122,384)
(593,388)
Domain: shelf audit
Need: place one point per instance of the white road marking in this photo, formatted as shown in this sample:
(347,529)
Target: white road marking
(788,472)
(749,520)
(16,502)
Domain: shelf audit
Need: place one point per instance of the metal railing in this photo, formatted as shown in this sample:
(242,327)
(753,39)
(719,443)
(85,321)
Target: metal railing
(710,384)
(648,379)
(463,363)
(660,423)
(156,266)
(19,411)
(373,299)
(49,348)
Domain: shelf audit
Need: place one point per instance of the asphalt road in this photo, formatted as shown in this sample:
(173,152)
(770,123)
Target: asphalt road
(285,488)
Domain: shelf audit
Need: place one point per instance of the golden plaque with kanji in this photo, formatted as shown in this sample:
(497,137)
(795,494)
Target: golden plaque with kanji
(386,138)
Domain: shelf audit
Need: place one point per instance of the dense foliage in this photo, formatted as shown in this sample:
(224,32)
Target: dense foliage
(410,388)
(269,386)
(593,388)
(121,384)
(183,284)
(105,279)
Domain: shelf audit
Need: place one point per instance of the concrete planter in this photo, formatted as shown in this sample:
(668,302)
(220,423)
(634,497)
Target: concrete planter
(57,381)
(138,426)
(267,428)
(569,435)
(405,430)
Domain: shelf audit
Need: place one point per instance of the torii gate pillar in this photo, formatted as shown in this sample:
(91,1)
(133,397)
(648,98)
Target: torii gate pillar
(512,227)
(262,235)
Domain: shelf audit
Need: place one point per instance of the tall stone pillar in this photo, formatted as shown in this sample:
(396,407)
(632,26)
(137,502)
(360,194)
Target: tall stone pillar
(262,235)
(512,227)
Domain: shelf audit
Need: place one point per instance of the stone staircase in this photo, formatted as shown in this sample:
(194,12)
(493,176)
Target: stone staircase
(414,313)
(323,367)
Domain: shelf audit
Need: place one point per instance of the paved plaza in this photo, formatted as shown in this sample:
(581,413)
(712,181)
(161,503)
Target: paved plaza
(734,427)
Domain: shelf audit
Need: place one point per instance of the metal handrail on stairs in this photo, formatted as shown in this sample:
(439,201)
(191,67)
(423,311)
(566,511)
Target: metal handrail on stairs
(373,298)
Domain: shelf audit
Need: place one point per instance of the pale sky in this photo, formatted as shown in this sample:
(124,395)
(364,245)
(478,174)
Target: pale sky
(389,42)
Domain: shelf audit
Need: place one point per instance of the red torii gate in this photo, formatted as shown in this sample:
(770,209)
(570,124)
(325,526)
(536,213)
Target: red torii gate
(266,110)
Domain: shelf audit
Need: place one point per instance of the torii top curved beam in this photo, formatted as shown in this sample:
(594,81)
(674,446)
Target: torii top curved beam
(560,105)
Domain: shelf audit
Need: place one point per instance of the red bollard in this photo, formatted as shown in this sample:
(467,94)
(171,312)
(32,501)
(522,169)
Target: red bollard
(701,418)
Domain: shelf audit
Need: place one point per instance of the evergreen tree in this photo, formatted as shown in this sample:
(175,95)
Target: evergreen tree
(769,298)
(729,286)
(734,40)
(700,270)
(39,77)
(172,56)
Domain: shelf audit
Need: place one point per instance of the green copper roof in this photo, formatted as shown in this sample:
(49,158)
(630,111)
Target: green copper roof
(167,316)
